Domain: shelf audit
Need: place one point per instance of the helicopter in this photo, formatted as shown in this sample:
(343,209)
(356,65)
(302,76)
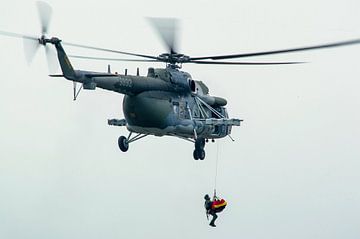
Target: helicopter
(165,102)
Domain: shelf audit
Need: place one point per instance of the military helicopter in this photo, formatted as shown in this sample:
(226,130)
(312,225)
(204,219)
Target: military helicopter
(167,101)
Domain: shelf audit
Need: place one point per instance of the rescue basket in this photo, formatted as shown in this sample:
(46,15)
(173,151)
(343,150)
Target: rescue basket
(218,205)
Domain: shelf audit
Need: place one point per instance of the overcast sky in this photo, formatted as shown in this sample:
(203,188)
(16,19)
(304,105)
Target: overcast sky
(293,171)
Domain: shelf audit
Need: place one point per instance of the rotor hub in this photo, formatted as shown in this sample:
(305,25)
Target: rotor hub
(174,58)
(43,40)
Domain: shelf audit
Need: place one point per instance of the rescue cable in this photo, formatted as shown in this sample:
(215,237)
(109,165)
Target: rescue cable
(216,166)
(218,203)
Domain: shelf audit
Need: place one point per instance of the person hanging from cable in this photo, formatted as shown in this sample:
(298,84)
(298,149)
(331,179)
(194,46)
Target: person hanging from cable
(213,207)
(209,211)
(217,204)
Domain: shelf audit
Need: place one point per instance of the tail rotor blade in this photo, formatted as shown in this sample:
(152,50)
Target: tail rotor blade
(45,12)
(51,60)
(30,49)
(31,44)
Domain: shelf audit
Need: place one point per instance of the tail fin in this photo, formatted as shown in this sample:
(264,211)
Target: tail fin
(66,67)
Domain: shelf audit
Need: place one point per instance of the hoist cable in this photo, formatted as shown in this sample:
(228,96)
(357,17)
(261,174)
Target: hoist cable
(216,166)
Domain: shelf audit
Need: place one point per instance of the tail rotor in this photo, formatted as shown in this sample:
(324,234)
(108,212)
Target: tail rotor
(32,44)
(45,14)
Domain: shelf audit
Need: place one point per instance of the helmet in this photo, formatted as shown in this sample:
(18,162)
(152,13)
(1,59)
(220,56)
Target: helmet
(207,197)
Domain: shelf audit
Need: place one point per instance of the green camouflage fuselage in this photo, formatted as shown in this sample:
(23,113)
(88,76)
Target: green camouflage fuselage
(165,102)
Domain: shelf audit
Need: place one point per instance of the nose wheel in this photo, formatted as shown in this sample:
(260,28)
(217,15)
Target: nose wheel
(124,142)
(199,152)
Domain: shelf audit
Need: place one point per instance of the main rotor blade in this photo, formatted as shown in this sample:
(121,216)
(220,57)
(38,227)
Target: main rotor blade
(45,12)
(195,62)
(167,28)
(17,35)
(108,50)
(244,63)
(22,36)
(109,59)
(329,45)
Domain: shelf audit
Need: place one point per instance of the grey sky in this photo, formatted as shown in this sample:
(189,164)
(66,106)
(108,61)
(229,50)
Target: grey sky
(293,171)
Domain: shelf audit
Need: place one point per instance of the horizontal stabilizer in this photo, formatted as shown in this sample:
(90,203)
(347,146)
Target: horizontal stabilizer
(56,75)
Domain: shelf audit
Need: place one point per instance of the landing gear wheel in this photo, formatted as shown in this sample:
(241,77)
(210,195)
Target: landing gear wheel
(123,143)
(201,154)
(196,154)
